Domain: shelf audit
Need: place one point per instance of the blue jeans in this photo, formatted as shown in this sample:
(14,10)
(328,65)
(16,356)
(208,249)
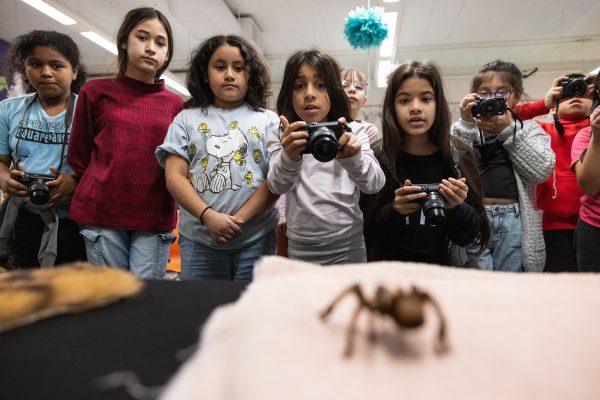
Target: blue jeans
(202,262)
(145,254)
(503,252)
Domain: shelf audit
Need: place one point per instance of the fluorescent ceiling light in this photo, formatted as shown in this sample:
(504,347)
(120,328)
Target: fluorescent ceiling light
(51,11)
(387,47)
(173,84)
(391,1)
(100,41)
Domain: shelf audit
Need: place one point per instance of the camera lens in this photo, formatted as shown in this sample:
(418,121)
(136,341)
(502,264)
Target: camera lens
(434,209)
(489,107)
(577,87)
(39,193)
(323,144)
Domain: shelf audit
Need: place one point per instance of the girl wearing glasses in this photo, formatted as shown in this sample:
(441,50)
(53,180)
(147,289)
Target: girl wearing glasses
(514,155)
(355,85)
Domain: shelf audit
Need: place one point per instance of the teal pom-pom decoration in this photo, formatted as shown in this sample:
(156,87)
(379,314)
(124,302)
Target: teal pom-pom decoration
(365,28)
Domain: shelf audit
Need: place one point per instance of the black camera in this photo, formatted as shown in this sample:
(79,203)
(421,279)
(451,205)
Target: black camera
(489,107)
(37,190)
(434,206)
(573,87)
(323,139)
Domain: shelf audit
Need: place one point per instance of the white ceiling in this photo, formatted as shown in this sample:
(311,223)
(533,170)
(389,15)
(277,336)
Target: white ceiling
(460,35)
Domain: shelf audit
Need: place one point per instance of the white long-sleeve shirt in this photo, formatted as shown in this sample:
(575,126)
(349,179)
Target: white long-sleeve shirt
(322,198)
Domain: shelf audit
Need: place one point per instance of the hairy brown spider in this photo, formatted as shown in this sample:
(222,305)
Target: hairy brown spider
(405,308)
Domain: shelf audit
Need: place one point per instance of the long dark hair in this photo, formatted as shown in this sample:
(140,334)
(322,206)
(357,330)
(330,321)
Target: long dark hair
(393,134)
(259,81)
(22,47)
(131,20)
(450,147)
(329,71)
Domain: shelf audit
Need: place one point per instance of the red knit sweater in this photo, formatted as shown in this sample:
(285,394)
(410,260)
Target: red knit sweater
(117,126)
(559,196)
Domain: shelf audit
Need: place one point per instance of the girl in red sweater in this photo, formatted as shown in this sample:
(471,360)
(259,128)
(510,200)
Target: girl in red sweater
(559,196)
(122,200)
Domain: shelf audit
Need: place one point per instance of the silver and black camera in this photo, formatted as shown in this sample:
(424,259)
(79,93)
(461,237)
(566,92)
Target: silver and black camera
(573,87)
(37,190)
(323,139)
(434,206)
(489,107)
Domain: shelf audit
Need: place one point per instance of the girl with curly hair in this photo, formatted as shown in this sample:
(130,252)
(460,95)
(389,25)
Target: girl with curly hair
(34,132)
(216,162)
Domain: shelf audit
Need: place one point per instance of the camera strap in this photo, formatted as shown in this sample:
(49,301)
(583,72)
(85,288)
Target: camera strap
(68,120)
(515,118)
(559,127)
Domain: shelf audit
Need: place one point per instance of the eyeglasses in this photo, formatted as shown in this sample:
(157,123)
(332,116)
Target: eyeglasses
(357,85)
(500,93)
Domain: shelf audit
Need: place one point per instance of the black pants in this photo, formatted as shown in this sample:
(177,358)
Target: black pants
(587,243)
(560,251)
(29,228)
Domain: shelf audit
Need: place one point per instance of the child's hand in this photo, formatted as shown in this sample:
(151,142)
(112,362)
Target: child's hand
(554,93)
(348,143)
(292,141)
(590,79)
(495,124)
(222,227)
(466,104)
(405,198)
(10,185)
(454,191)
(60,187)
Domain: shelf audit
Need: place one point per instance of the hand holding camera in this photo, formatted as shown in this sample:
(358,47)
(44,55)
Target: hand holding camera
(35,184)
(492,114)
(408,198)
(489,113)
(326,139)
(433,198)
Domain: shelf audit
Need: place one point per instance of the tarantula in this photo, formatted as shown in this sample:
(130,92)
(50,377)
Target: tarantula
(405,308)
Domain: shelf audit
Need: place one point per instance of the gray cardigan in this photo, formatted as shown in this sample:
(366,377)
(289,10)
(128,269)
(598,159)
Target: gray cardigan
(533,162)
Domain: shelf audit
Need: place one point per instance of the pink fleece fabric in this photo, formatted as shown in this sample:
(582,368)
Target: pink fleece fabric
(511,336)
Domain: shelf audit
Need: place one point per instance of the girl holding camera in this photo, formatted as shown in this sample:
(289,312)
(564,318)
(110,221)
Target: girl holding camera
(559,196)
(34,132)
(324,221)
(122,200)
(418,149)
(585,156)
(514,156)
(216,162)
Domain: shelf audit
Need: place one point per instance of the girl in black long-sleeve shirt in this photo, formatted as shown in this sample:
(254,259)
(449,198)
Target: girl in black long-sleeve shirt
(403,222)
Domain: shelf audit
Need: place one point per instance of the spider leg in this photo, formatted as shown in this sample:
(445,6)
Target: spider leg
(441,346)
(325,313)
(351,332)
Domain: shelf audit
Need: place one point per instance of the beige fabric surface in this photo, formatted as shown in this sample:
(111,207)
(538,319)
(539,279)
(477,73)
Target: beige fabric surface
(512,336)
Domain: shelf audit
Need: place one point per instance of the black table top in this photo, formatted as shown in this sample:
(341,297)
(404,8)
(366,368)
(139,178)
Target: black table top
(63,357)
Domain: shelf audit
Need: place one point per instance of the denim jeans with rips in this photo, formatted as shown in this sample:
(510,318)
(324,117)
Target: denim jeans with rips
(503,252)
